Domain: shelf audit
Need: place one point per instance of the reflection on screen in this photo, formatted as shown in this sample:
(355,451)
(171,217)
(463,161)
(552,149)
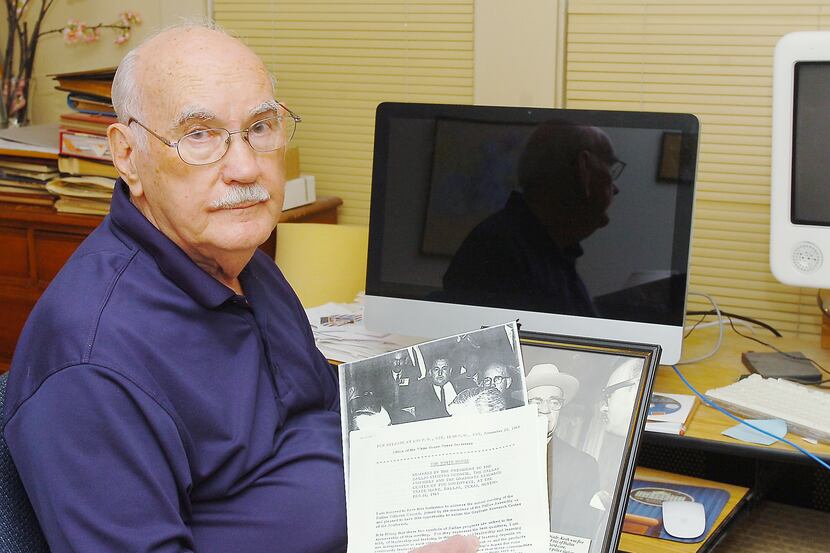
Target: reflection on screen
(572,215)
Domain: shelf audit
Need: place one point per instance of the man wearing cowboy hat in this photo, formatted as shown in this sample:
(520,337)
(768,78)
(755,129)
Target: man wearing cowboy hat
(573,475)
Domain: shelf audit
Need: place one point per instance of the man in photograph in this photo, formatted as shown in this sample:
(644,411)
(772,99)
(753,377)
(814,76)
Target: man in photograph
(573,475)
(436,391)
(617,409)
(498,376)
(399,381)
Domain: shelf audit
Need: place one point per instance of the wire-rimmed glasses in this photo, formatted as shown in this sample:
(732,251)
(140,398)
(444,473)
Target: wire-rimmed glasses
(547,404)
(615,169)
(493,381)
(205,146)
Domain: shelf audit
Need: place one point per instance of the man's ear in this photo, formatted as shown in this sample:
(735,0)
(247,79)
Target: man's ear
(123,152)
(584,172)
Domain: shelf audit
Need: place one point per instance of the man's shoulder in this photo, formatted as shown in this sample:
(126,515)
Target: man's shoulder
(62,327)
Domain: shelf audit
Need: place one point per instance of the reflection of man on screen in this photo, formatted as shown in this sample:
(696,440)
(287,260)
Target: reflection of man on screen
(524,256)
(573,475)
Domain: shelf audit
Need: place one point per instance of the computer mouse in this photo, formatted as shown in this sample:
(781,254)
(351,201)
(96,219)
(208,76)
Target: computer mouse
(684,519)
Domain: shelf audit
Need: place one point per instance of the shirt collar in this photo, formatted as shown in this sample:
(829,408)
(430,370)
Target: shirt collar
(171,259)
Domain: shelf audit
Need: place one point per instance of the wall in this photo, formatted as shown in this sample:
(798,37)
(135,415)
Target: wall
(518,55)
(54,56)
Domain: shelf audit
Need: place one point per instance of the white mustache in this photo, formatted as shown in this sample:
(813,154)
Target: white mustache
(239,195)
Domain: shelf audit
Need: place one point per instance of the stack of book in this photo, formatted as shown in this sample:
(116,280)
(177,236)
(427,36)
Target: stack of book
(87,174)
(28,161)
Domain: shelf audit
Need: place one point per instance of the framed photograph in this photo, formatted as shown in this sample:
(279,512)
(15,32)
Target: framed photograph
(595,396)
(671,146)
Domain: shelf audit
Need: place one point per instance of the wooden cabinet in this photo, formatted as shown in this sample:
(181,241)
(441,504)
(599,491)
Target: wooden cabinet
(36,241)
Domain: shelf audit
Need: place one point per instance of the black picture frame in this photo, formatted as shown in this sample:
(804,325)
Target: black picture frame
(590,431)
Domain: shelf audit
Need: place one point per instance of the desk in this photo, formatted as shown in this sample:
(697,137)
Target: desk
(704,429)
(770,470)
(36,241)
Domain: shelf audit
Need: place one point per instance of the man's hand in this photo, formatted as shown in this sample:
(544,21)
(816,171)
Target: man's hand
(456,544)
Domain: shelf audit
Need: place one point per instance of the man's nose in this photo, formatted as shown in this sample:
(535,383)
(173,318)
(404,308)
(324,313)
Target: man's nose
(240,161)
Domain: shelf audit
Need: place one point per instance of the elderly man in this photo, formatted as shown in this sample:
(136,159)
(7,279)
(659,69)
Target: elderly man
(573,475)
(166,394)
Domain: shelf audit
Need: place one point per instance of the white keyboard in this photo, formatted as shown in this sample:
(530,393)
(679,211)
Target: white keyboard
(806,410)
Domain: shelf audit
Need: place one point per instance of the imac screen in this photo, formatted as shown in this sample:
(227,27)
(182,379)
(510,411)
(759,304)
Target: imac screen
(566,212)
(811,119)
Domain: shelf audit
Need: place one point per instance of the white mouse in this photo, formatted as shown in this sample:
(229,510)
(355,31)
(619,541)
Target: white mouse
(684,519)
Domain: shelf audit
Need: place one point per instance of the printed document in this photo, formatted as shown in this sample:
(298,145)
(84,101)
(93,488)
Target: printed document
(482,474)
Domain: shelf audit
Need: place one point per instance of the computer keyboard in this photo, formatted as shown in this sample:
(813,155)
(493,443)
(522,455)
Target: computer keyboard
(806,410)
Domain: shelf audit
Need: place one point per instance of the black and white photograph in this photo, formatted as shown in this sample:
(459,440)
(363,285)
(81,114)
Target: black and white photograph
(592,395)
(480,371)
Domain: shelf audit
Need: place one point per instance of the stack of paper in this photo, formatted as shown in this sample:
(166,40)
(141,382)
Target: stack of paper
(341,336)
(27,163)
(91,195)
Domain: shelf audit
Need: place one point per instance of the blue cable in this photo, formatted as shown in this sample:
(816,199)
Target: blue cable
(712,404)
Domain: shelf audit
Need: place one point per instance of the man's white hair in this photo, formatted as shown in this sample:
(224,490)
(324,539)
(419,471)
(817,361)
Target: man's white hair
(125,86)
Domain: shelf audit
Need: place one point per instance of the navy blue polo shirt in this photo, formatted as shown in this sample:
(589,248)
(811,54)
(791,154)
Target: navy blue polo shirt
(150,408)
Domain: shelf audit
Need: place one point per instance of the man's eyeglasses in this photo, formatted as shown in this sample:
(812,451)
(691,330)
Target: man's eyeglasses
(615,166)
(615,169)
(609,390)
(205,146)
(493,381)
(552,403)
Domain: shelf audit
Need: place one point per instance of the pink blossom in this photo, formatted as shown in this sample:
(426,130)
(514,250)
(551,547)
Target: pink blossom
(122,38)
(129,18)
(91,35)
(71,35)
(20,7)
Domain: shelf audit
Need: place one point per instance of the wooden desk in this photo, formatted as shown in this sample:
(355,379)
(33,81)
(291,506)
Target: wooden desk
(638,544)
(705,427)
(36,241)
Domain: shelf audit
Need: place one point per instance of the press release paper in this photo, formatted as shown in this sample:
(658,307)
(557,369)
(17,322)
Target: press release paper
(420,483)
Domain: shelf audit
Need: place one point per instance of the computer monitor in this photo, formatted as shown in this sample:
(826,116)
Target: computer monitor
(800,190)
(481,215)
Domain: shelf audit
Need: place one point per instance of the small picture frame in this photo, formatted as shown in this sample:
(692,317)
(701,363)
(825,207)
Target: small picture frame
(595,395)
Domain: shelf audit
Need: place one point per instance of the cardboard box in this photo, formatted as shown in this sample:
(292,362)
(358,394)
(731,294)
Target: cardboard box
(300,191)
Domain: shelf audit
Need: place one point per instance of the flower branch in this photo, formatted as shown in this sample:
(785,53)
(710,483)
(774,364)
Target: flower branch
(22,42)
